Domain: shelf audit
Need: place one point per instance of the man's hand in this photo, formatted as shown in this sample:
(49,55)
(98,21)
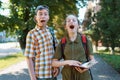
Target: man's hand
(33,77)
(56,71)
(81,70)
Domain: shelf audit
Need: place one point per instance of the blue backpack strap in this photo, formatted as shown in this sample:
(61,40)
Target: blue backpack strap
(53,35)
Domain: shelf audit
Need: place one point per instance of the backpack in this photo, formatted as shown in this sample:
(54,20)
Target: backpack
(84,42)
(52,33)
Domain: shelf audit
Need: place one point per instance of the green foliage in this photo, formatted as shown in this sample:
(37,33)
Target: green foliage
(94,32)
(108,22)
(22,13)
(2,22)
(0,3)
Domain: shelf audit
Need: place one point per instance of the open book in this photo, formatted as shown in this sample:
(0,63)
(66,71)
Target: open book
(88,64)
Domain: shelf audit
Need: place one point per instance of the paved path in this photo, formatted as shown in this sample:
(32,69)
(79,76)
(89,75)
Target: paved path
(9,48)
(101,71)
(19,71)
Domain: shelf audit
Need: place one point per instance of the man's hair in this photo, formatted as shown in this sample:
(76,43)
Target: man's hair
(41,7)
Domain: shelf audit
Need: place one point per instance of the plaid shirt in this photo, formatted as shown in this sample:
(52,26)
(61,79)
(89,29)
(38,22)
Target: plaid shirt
(39,44)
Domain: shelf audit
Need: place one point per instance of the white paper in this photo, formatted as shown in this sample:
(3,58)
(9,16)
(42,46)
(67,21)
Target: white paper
(88,64)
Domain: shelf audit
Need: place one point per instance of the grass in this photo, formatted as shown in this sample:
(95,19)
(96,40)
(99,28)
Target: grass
(10,60)
(113,60)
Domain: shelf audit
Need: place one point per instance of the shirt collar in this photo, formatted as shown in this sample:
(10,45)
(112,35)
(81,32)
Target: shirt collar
(76,40)
(38,28)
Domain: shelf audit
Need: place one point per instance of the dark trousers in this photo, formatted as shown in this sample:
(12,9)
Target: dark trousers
(47,78)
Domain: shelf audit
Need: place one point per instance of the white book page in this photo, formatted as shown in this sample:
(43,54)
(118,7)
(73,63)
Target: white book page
(88,64)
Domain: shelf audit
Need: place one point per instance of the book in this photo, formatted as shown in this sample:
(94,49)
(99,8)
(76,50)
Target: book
(88,65)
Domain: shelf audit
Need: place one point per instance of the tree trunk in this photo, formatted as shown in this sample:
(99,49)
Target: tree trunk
(112,48)
(96,45)
(22,42)
(22,39)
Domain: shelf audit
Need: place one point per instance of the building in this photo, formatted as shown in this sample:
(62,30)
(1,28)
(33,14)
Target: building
(2,36)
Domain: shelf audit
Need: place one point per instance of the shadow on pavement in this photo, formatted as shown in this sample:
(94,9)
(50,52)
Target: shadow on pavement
(23,75)
(101,71)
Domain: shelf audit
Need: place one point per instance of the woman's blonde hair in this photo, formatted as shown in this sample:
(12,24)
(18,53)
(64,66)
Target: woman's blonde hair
(70,15)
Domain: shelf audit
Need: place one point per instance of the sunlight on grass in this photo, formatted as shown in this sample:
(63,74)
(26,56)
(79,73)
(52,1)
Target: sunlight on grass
(104,52)
(10,60)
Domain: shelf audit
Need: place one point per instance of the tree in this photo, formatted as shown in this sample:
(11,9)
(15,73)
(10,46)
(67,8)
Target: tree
(22,13)
(89,23)
(108,23)
(3,19)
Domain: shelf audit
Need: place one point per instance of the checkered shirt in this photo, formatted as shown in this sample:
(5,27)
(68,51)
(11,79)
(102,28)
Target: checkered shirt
(39,44)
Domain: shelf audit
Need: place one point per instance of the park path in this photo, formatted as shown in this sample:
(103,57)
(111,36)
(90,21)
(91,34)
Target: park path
(9,48)
(19,71)
(101,71)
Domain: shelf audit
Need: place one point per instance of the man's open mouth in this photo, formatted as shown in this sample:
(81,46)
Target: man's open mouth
(71,26)
(42,20)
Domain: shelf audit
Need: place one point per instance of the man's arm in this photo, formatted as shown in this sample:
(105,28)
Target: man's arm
(30,64)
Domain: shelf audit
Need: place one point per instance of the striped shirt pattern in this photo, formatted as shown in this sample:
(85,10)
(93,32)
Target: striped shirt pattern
(39,44)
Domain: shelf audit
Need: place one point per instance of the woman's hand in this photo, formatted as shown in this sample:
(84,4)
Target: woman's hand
(72,63)
(81,70)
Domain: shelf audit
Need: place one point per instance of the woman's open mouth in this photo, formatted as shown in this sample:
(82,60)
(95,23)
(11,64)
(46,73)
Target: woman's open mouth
(71,26)
(42,20)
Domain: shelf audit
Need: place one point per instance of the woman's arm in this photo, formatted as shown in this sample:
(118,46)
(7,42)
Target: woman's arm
(57,63)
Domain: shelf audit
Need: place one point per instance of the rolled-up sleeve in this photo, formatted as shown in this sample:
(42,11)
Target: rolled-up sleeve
(30,45)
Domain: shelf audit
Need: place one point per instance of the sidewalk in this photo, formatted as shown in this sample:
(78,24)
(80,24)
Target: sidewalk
(9,48)
(101,71)
(17,71)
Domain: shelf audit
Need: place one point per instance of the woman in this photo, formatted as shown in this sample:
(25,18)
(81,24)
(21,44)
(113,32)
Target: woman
(73,54)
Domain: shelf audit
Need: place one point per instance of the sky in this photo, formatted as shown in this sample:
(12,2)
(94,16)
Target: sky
(5,11)
(81,13)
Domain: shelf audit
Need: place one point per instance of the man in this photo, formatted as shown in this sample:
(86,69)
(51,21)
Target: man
(39,47)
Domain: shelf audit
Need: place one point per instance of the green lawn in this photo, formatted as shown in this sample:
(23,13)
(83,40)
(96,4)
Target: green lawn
(113,60)
(10,60)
